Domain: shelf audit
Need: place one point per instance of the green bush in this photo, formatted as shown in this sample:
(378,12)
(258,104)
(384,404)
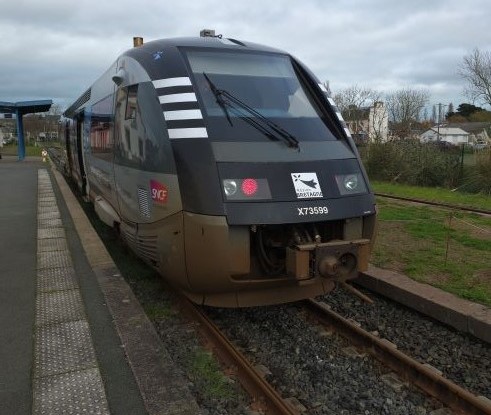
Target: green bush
(414,163)
(478,177)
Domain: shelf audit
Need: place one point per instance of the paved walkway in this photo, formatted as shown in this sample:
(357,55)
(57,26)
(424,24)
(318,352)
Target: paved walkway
(74,339)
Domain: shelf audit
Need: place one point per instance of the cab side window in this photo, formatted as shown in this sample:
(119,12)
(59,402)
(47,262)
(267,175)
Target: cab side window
(128,131)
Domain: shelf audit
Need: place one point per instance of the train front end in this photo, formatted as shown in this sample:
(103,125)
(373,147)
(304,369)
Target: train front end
(276,204)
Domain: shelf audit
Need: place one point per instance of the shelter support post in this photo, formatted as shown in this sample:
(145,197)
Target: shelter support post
(20,135)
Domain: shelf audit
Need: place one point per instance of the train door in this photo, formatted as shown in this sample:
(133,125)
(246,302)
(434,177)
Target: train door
(68,148)
(79,120)
(127,161)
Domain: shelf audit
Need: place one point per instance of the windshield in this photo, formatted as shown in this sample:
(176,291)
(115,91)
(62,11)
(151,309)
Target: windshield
(266,83)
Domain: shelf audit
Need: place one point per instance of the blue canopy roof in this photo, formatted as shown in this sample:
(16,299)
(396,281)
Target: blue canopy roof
(25,107)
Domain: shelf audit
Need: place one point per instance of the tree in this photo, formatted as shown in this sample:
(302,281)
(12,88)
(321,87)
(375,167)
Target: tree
(355,97)
(465,109)
(450,111)
(480,116)
(405,107)
(433,114)
(476,71)
(364,112)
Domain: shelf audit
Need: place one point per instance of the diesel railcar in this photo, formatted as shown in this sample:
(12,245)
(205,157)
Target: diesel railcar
(226,166)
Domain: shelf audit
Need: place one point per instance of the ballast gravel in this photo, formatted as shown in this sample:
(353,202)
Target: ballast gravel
(317,369)
(460,357)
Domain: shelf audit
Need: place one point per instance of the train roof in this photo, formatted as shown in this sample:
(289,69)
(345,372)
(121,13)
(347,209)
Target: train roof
(146,55)
(201,42)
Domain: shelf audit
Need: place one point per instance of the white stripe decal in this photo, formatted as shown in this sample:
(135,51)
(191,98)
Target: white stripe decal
(183,115)
(187,132)
(168,82)
(347,132)
(331,101)
(321,86)
(187,97)
(340,117)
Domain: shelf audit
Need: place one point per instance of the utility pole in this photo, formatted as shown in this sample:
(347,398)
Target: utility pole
(440,105)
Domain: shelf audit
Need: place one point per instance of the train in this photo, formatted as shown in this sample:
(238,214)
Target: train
(226,166)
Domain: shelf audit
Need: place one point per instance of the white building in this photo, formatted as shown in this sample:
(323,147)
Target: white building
(368,123)
(451,135)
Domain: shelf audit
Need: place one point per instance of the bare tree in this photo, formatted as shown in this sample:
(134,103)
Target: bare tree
(55,110)
(406,104)
(355,97)
(476,70)
(405,107)
(357,104)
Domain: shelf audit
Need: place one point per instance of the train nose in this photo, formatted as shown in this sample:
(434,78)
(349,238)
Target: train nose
(338,267)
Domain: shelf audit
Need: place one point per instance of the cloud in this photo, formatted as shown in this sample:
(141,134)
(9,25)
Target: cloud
(56,49)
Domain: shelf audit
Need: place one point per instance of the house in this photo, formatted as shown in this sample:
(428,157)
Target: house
(368,123)
(451,135)
(479,132)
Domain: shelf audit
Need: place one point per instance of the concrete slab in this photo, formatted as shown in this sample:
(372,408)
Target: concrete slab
(456,312)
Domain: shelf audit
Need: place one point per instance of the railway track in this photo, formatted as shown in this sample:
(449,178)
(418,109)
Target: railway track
(421,375)
(408,369)
(265,397)
(438,204)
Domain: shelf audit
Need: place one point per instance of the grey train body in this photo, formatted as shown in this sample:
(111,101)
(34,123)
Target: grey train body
(224,165)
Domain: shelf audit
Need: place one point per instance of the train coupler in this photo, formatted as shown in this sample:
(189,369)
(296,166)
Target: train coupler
(335,260)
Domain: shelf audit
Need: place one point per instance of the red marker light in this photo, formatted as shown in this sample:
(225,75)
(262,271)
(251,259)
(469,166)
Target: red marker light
(249,186)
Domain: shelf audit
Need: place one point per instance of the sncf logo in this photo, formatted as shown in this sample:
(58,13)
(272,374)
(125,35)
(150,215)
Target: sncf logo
(159,192)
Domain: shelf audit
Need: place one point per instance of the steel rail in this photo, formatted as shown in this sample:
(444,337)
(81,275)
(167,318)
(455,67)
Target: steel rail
(439,204)
(447,392)
(252,381)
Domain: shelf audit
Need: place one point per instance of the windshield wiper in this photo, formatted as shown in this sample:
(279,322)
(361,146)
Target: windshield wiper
(237,106)
(218,95)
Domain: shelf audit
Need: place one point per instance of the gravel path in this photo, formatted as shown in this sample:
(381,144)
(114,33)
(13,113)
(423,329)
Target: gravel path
(462,358)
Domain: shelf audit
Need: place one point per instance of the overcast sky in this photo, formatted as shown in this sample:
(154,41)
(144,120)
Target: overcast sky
(54,49)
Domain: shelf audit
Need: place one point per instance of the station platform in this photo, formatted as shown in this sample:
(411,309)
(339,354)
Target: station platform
(74,338)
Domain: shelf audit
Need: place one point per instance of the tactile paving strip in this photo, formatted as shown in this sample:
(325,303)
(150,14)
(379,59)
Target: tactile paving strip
(62,348)
(48,214)
(50,223)
(54,259)
(58,307)
(73,393)
(47,204)
(67,380)
(52,244)
(51,233)
(48,197)
(45,191)
(56,279)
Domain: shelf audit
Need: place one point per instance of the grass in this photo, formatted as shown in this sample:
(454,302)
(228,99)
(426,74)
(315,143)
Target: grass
(206,371)
(12,150)
(434,194)
(447,249)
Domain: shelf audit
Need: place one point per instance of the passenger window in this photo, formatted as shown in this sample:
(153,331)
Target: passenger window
(101,128)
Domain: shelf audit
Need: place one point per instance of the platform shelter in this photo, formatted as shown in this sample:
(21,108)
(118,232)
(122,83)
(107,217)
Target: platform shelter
(20,109)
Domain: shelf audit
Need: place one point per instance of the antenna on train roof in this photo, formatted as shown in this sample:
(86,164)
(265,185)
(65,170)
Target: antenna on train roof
(137,41)
(209,33)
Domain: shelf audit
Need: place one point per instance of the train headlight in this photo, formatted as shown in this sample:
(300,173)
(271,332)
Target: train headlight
(246,189)
(349,184)
(229,187)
